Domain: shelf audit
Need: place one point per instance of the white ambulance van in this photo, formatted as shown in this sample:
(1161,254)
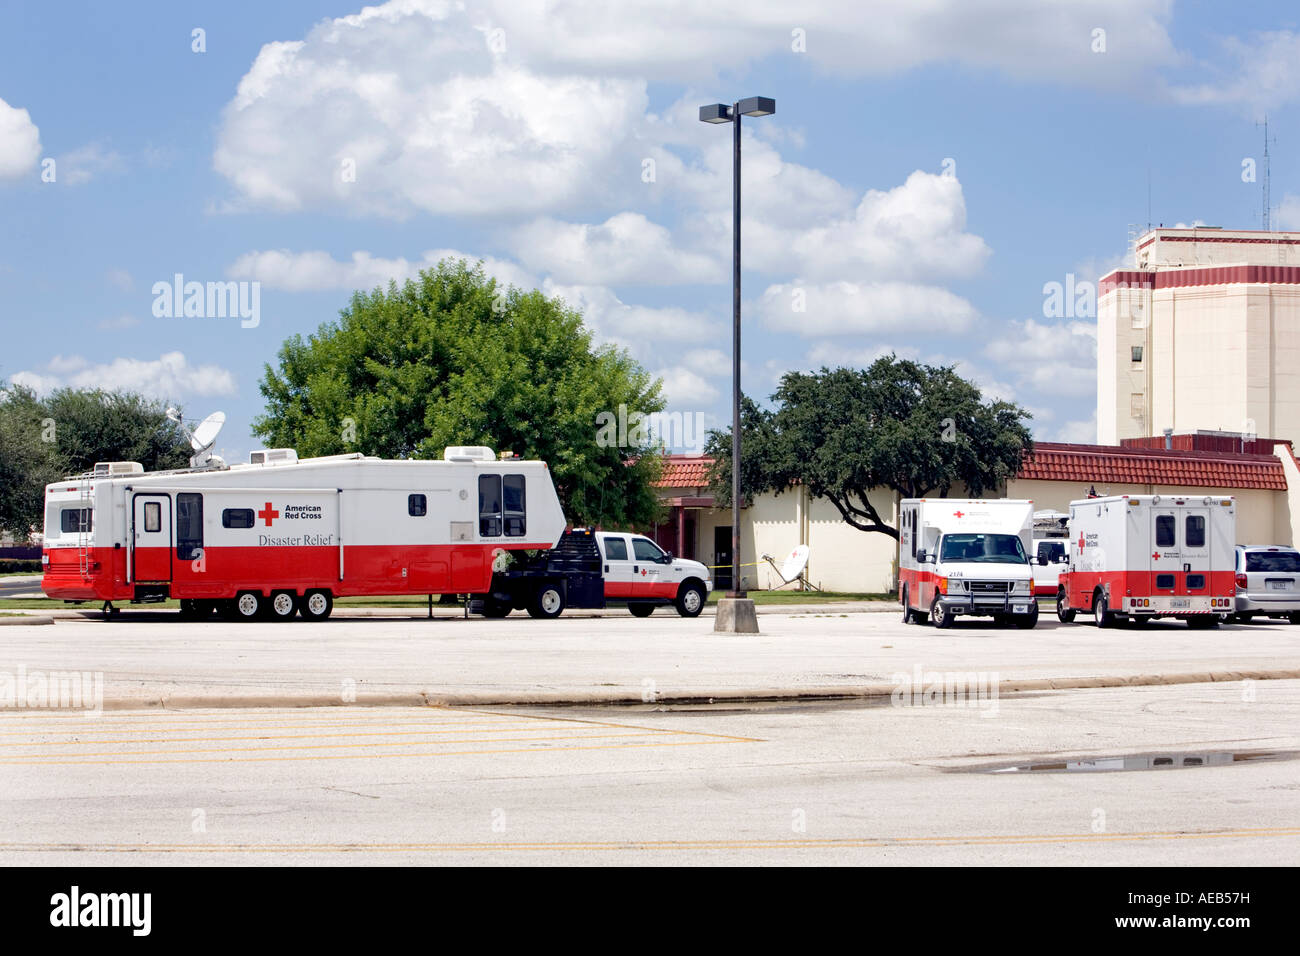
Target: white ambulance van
(1139,557)
(966,557)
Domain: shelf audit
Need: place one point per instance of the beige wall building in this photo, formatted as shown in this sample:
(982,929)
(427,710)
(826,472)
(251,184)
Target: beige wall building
(1204,334)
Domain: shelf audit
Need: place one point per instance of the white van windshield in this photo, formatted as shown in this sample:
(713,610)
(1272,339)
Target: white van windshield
(986,548)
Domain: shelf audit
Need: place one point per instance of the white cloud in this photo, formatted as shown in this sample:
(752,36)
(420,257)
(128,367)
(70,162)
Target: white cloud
(120,322)
(1058,359)
(316,270)
(120,279)
(626,248)
(170,375)
(20,141)
(644,330)
(847,308)
(84,163)
(1288,214)
(1265,73)
(1081,432)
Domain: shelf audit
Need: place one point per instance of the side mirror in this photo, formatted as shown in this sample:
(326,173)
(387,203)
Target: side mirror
(667,558)
(920,556)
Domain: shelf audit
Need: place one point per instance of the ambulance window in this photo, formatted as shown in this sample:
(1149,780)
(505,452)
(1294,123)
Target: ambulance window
(489,506)
(189,525)
(911,527)
(1165,582)
(237,517)
(75,520)
(152,516)
(1196,582)
(512,487)
(1195,531)
(1164,531)
(417,506)
(615,549)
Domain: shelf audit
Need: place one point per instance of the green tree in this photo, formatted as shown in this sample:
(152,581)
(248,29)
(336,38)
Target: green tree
(451,358)
(916,429)
(65,433)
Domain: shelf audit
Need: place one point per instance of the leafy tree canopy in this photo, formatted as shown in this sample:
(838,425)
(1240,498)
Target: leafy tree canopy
(916,429)
(451,358)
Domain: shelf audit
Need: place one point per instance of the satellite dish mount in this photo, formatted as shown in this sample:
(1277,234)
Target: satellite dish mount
(202,438)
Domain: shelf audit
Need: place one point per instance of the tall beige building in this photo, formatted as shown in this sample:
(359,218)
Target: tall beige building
(1204,334)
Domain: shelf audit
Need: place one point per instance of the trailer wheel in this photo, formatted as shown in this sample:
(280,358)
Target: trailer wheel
(1064,613)
(189,609)
(494,608)
(1101,613)
(690,600)
(248,605)
(641,610)
(548,602)
(941,616)
(316,605)
(282,606)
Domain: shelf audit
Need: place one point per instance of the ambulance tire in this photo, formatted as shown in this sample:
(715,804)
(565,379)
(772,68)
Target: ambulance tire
(641,610)
(283,606)
(1203,622)
(247,606)
(1064,613)
(940,615)
(690,600)
(907,610)
(316,605)
(1293,618)
(547,602)
(1101,612)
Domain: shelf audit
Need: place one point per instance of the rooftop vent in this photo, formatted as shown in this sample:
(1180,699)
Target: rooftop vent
(108,469)
(272,456)
(469,453)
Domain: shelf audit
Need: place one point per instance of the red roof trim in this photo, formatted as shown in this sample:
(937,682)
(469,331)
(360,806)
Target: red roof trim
(1110,464)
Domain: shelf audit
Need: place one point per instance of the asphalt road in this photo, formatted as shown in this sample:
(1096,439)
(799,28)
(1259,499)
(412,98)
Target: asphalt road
(810,784)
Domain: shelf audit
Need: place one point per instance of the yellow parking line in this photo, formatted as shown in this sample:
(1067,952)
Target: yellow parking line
(584,846)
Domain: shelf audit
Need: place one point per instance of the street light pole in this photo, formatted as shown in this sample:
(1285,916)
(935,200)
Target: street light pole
(736,613)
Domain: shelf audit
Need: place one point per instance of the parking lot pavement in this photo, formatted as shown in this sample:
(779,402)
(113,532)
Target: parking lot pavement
(149,658)
(759,784)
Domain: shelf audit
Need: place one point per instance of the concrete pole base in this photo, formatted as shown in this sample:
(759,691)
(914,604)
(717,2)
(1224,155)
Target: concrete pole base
(736,616)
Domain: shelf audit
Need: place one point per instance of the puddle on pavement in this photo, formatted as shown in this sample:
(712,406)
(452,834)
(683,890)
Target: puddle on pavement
(1157,760)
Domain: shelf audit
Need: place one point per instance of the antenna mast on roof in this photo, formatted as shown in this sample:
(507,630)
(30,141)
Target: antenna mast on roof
(1267,176)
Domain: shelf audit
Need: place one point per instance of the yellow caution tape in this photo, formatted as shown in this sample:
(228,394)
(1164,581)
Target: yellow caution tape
(750,564)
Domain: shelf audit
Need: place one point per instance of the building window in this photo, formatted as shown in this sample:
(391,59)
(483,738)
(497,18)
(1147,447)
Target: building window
(417,506)
(1137,354)
(236,517)
(1137,406)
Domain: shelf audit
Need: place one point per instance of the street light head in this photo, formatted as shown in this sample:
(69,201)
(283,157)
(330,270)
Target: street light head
(756,106)
(716,113)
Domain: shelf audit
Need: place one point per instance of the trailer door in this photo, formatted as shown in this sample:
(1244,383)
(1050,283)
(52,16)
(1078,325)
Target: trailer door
(152,541)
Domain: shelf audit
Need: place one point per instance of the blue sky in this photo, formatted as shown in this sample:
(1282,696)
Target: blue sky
(520,135)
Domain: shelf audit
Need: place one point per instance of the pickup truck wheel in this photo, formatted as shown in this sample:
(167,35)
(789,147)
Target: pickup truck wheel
(690,600)
(941,616)
(641,610)
(1064,613)
(316,605)
(548,602)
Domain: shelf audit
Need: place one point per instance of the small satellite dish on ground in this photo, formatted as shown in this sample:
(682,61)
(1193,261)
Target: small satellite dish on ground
(792,568)
(202,438)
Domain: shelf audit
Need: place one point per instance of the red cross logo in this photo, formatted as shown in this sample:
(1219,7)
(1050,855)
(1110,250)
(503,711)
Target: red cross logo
(268,513)
(643,572)
(1080,540)
(957,514)
(1155,555)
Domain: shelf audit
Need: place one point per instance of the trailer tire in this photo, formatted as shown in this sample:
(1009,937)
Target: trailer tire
(940,615)
(1101,613)
(283,606)
(190,609)
(494,608)
(1064,613)
(316,605)
(247,606)
(547,602)
(690,599)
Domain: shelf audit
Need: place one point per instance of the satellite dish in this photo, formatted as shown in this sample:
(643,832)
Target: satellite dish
(795,562)
(203,437)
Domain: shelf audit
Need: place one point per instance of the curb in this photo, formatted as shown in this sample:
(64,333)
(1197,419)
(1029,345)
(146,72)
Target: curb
(26,619)
(628,698)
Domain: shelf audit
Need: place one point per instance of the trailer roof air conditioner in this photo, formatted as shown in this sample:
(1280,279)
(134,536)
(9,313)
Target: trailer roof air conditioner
(469,453)
(108,469)
(272,456)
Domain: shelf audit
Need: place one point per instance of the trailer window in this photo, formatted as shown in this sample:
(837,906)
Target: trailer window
(1164,582)
(189,525)
(152,516)
(1164,531)
(1196,582)
(513,492)
(417,506)
(237,517)
(489,506)
(1195,531)
(75,520)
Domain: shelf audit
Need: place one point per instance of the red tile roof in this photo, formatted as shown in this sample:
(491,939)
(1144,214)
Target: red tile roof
(1110,464)
(685,471)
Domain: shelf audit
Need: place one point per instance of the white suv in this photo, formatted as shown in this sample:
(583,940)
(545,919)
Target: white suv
(1268,582)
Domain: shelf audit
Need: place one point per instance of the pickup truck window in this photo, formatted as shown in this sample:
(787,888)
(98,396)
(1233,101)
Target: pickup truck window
(615,549)
(646,550)
(984,548)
